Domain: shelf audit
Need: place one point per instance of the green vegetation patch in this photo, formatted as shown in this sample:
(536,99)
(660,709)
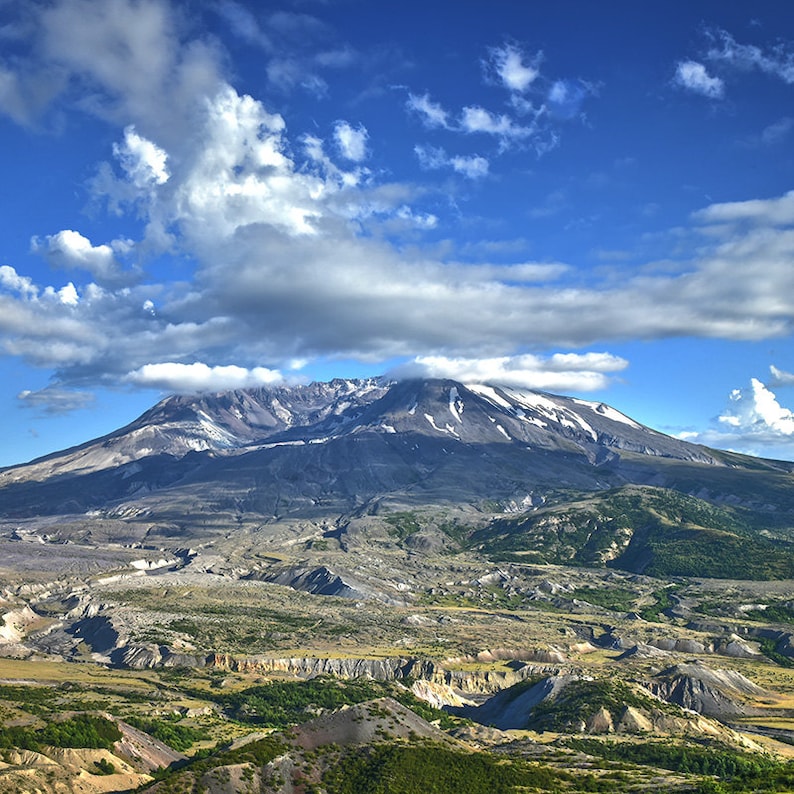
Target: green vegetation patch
(656,531)
(283,703)
(80,731)
(779,612)
(397,768)
(185,778)
(616,599)
(403,524)
(741,771)
(662,601)
(179,737)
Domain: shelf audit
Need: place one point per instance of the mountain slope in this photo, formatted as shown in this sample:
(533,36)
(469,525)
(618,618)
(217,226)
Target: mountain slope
(199,467)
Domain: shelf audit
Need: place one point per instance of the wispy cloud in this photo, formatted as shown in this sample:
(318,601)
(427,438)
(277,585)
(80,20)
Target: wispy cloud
(431,113)
(777,61)
(535,104)
(470,166)
(730,58)
(55,401)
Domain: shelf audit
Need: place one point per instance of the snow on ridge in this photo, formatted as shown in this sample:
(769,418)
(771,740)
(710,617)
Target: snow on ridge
(489,393)
(532,400)
(540,403)
(609,412)
(455,403)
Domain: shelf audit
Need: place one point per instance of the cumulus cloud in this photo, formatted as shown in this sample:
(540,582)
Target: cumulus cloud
(561,372)
(199,377)
(694,77)
(351,141)
(754,422)
(69,250)
(143,162)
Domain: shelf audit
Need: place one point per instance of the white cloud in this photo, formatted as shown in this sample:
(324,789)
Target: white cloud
(478,119)
(238,174)
(11,280)
(694,77)
(68,295)
(769,212)
(777,132)
(470,166)
(777,61)
(69,250)
(566,98)
(760,410)
(420,220)
(243,23)
(754,422)
(780,377)
(133,65)
(291,258)
(25,94)
(143,161)
(431,157)
(199,377)
(563,372)
(431,113)
(515,75)
(351,141)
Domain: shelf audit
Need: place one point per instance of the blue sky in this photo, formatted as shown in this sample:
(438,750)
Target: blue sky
(584,198)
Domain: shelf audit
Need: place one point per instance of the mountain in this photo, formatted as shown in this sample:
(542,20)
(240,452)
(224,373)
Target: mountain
(191,467)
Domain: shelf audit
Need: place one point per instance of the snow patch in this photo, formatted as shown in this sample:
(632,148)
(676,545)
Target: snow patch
(489,393)
(455,403)
(503,432)
(609,412)
(447,429)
